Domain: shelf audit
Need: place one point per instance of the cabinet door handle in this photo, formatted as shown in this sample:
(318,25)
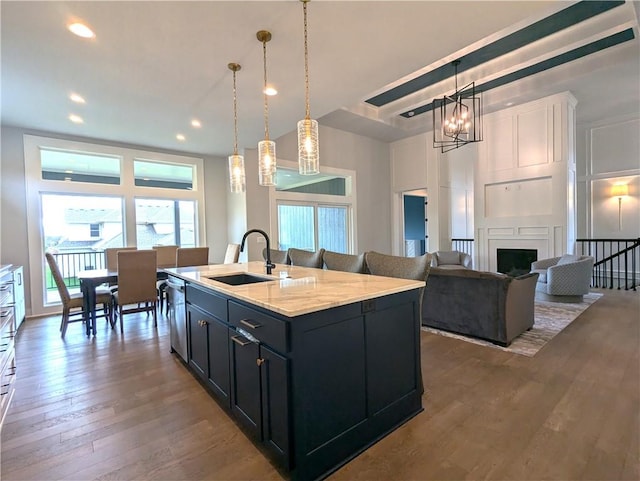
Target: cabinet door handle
(260,361)
(202,323)
(241,340)
(248,323)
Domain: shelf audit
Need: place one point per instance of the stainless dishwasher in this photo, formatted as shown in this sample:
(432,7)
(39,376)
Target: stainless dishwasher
(177,316)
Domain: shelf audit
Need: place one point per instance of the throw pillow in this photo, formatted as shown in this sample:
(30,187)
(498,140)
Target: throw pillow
(448,257)
(567,259)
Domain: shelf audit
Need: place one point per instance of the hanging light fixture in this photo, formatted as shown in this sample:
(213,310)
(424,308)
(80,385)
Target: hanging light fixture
(266,147)
(236,162)
(308,153)
(457,119)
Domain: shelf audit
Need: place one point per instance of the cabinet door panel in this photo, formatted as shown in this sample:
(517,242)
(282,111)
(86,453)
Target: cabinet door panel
(275,403)
(245,382)
(219,359)
(198,355)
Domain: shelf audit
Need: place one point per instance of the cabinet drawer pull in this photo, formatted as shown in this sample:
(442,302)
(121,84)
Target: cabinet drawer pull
(5,313)
(248,323)
(241,340)
(4,287)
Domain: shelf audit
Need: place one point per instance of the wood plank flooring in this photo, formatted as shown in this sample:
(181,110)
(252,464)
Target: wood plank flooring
(122,407)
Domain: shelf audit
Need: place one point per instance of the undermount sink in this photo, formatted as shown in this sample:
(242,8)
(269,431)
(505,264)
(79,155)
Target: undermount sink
(239,279)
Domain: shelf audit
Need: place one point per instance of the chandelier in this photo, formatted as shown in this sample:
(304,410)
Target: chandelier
(236,162)
(457,119)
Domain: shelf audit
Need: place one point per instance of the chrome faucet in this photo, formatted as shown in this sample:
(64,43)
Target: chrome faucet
(268,264)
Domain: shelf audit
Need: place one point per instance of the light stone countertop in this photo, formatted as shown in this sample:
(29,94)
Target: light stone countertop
(293,290)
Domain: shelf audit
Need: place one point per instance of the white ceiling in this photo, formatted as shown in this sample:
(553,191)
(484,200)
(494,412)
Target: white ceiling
(154,66)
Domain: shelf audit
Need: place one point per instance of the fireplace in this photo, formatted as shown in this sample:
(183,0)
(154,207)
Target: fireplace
(515,262)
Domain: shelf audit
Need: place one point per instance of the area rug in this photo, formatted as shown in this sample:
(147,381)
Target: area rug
(550,319)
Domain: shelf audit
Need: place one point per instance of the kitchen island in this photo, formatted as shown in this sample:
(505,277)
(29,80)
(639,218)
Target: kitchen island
(314,365)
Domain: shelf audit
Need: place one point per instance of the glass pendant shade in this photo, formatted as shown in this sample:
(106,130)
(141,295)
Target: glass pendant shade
(236,174)
(308,148)
(267,162)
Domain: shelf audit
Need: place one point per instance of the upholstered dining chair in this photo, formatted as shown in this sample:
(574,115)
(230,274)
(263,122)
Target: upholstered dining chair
(192,256)
(137,273)
(337,261)
(277,256)
(111,260)
(74,301)
(111,256)
(300,257)
(416,268)
(232,254)
(167,256)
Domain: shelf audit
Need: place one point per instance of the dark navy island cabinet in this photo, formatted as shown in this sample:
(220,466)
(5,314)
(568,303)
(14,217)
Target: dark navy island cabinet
(314,390)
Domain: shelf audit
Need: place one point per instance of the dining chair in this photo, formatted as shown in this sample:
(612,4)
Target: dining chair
(75,301)
(111,261)
(232,254)
(337,261)
(137,274)
(300,257)
(167,257)
(192,256)
(416,268)
(111,256)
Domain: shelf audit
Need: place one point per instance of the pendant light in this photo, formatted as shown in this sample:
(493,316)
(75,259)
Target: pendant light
(236,162)
(266,147)
(308,152)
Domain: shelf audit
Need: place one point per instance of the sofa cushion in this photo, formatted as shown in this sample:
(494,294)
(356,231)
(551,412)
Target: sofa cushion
(567,259)
(446,257)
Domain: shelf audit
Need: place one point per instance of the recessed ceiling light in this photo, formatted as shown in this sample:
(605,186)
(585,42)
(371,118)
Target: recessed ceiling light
(77,98)
(180,137)
(271,91)
(411,114)
(76,119)
(81,30)
(196,123)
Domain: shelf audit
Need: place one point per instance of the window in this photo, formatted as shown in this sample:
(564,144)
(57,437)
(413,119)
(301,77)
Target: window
(83,198)
(316,211)
(165,222)
(163,175)
(94,230)
(87,167)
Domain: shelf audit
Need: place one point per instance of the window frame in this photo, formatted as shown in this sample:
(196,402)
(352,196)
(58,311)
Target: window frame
(126,189)
(349,200)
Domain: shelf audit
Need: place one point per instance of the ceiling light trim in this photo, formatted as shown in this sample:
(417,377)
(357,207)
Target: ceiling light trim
(566,57)
(536,31)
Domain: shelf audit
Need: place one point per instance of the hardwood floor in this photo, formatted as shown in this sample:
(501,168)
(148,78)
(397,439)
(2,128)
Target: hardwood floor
(122,407)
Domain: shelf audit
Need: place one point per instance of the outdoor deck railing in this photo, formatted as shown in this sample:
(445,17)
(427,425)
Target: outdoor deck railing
(70,263)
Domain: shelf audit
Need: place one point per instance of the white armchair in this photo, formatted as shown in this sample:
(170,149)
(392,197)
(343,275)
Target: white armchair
(565,279)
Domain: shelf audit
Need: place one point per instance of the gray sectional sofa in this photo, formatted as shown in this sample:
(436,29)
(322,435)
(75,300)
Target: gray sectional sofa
(486,305)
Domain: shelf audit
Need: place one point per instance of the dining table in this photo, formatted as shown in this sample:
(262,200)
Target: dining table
(89,280)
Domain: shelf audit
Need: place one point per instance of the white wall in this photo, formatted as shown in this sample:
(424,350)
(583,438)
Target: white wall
(13,227)
(525,179)
(369,158)
(609,153)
